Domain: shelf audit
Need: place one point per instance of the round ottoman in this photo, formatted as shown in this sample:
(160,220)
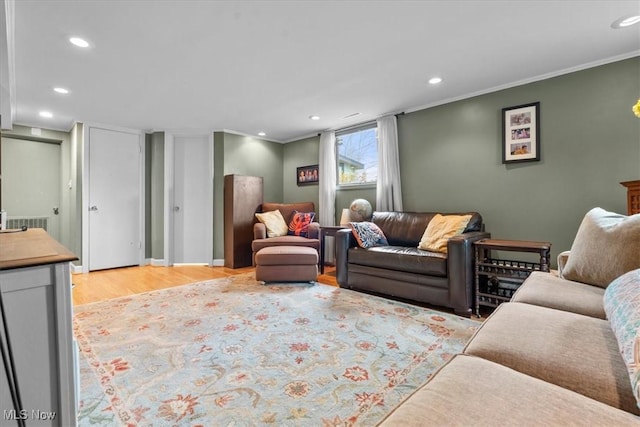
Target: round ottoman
(287,264)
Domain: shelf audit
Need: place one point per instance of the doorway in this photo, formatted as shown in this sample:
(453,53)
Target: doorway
(192,209)
(31,181)
(113,203)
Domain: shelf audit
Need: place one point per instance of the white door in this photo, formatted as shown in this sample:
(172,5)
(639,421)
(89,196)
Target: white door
(193,200)
(31,182)
(114,199)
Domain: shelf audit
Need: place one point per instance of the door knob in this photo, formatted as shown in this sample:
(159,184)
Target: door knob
(176,208)
(93,208)
(56,210)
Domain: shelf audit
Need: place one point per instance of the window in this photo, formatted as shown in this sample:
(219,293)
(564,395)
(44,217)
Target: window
(357,155)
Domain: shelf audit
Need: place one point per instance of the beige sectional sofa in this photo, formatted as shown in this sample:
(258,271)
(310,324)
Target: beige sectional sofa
(529,364)
(562,352)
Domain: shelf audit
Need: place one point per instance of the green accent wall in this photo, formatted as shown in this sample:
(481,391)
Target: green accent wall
(70,180)
(450,161)
(301,153)
(75,207)
(243,155)
(451,156)
(307,152)
(154,195)
(218,195)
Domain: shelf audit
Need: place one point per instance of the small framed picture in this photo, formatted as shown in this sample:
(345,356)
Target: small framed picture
(307,175)
(521,133)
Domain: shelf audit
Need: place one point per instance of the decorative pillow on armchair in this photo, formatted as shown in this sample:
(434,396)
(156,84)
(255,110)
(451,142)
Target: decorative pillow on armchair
(368,234)
(622,305)
(299,223)
(606,246)
(274,222)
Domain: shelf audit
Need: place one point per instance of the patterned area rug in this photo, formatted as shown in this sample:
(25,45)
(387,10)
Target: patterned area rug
(234,352)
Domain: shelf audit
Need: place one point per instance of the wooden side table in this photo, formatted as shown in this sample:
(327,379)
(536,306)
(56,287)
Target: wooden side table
(497,279)
(327,230)
(633,196)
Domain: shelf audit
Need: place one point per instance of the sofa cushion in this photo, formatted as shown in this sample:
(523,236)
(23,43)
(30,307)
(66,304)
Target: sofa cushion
(470,391)
(606,246)
(573,351)
(274,222)
(440,229)
(549,290)
(622,304)
(368,234)
(399,258)
(299,223)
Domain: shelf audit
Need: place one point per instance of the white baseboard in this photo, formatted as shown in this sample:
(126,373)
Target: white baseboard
(190,264)
(77,269)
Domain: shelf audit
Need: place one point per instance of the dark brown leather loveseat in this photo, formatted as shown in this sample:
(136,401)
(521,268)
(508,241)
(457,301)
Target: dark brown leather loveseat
(402,270)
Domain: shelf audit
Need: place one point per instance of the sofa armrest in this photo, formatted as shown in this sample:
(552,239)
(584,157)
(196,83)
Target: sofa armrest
(563,257)
(461,258)
(344,241)
(259,231)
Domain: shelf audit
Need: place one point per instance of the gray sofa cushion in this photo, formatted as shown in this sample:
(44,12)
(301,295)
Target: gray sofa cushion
(469,391)
(576,352)
(549,290)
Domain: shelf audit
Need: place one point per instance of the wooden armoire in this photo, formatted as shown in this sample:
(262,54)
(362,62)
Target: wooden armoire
(242,198)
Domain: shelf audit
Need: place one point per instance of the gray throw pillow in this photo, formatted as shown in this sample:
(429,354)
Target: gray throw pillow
(606,246)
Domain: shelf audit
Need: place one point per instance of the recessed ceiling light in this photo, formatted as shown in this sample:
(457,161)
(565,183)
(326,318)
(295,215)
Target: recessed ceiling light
(61,90)
(46,114)
(625,21)
(79,42)
(262,134)
(314,117)
(435,80)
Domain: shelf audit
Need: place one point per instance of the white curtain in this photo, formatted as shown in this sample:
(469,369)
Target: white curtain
(388,189)
(327,197)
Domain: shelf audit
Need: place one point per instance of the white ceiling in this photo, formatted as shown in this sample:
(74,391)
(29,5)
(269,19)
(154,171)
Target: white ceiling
(251,66)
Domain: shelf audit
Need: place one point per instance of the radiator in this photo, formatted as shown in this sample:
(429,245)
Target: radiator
(28,221)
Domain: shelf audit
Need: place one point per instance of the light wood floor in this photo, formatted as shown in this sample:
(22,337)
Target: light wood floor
(119,282)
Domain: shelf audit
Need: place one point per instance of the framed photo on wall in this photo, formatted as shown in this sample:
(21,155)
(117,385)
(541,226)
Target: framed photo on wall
(521,133)
(307,175)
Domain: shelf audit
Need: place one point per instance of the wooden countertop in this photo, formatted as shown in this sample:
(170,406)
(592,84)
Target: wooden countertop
(30,248)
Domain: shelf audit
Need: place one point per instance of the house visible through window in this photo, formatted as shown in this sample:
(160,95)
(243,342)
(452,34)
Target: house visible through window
(357,155)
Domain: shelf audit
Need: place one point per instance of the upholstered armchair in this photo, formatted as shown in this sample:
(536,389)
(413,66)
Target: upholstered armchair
(309,238)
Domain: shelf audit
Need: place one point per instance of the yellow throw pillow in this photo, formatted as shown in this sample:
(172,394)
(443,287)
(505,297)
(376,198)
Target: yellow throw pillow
(274,222)
(440,229)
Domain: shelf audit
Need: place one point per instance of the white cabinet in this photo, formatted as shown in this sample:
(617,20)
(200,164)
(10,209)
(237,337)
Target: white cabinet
(36,332)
